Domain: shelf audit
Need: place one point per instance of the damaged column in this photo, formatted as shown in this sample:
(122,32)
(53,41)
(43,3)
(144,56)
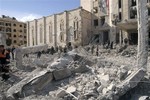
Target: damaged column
(142,13)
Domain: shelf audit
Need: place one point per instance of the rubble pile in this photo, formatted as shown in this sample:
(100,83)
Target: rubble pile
(129,51)
(76,75)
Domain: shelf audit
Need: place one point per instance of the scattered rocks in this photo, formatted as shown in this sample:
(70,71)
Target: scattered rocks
(90,77)
(71,89)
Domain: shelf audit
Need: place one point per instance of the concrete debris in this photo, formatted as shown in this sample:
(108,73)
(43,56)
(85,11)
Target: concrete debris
(27,50)
(61,93)
(31,81)
(71,89)
(61,74)
(144,98)
(76,75)
(39,63)
(122,73)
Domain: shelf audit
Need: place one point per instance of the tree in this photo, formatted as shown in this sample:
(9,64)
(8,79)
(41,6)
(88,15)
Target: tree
(142,14)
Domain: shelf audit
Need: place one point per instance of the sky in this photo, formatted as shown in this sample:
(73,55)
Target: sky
(26,10)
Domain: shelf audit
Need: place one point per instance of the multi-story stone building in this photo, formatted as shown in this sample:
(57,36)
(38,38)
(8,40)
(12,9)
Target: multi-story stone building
(15,31)
(59,29)
(108,21)
(127,22)
(103,14)
(115,20)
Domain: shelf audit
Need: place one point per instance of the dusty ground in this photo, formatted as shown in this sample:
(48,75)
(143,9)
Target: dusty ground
(110,62)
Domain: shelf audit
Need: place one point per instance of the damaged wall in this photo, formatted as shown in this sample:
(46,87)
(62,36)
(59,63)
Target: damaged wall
(2,38)
(61,28)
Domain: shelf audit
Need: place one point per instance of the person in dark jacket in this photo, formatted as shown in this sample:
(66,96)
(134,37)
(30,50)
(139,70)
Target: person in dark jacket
(4,61)
(39,54)
(12,51)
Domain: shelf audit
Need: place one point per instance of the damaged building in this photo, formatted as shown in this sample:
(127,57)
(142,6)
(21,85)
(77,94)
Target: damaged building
(59,29)
(96,21)
(113,20)
(128,20)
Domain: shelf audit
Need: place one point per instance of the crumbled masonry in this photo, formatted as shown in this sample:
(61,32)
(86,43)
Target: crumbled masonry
(78,75)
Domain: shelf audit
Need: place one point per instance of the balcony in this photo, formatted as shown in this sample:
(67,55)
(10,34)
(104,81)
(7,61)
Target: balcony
(127,24)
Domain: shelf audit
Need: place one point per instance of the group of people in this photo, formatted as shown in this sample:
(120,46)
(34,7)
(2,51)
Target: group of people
(7,54)
(57,49)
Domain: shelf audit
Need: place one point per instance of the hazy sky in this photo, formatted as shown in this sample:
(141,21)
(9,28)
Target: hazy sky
(30,9)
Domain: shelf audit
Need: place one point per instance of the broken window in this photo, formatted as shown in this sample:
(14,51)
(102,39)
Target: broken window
(120,16)
(14,30)
(102,21)
(119,3)
(1,23)
(15,41)
(133,12)
(133,2)
(96,22)
(75,35)
(148,11)
(133,38)
(61,36)
(14,35)
(76,26)
(8,29)
(117,37)
(9,34)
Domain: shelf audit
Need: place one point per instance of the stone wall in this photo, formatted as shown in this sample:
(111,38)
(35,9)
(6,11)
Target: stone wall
(61,28)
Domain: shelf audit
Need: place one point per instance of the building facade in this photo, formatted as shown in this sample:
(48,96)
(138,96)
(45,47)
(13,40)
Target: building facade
(14,31)
(59,29)
(115,20)
(102,11)
(97,21)
(127,22)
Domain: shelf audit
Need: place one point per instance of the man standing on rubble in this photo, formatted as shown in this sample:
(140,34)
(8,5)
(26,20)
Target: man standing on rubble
(12,51)
(92,49)
(4,61)
(39,54)
(97,50)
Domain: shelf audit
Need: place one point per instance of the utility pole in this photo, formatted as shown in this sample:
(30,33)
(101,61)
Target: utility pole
(142,18)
